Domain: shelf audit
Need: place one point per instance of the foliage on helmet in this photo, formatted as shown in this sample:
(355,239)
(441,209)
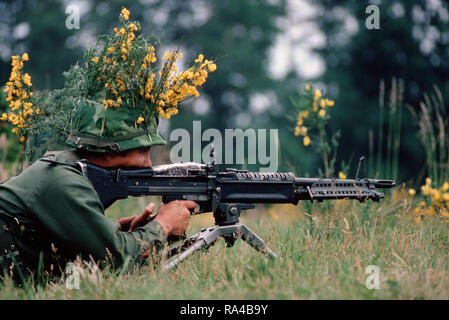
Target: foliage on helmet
(120,74)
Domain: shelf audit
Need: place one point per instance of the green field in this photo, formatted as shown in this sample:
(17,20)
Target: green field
(323,251)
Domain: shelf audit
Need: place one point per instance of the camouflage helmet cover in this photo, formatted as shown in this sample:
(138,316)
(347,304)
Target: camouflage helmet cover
(96,129)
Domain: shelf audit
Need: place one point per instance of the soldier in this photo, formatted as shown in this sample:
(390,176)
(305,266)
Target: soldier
(107,113)
(50,213)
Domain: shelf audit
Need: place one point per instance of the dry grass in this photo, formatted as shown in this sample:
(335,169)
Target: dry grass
(323,253)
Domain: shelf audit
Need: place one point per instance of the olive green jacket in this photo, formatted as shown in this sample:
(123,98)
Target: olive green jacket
(61,216)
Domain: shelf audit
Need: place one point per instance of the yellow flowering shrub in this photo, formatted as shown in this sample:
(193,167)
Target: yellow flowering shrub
(435,201)
(124,73)
(311,122)
(312,109)
(19,97)
(121,70)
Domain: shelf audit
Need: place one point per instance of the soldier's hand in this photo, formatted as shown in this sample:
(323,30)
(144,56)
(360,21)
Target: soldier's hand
(174,217)
(130,223)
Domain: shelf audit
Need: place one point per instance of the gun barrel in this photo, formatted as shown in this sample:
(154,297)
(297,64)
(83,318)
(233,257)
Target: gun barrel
(378,183)
(327,189)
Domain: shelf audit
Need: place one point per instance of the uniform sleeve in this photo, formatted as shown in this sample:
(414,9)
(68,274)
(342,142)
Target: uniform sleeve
(68,206)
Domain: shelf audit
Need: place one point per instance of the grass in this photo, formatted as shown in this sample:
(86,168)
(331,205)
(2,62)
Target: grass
(323,252)
(323,249)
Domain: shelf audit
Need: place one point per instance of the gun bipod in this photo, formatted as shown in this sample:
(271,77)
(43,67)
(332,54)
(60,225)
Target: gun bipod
(208,236)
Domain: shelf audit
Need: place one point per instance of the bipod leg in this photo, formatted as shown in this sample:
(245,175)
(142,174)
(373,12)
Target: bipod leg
(204,239)
(254,240)
(180,246)
(208,236)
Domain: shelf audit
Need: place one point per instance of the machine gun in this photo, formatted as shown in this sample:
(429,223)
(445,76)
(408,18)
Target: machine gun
(225,193)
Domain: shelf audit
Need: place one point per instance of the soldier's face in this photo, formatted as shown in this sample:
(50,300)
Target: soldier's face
(138,158)
(133,158)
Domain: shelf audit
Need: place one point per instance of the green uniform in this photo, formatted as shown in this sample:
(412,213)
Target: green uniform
(60,215)
(51,208)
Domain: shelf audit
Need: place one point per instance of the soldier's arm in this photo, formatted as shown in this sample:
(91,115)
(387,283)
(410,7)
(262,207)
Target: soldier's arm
(71,211)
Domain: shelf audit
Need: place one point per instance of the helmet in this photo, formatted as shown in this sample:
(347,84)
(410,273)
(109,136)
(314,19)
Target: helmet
(96,129)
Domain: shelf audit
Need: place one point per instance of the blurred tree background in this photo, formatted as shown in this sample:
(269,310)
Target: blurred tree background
(265,50)
(411,44)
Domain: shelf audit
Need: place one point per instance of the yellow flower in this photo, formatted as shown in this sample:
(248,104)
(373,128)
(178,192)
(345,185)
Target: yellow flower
(125,13)
(330,103)
(317,94)
(212,67)
(446,196)
(297,130)
(430,211)
(341,175)
(306,141)
(436,196)
(322,103)
(167,56)
(425,190)
(411,192)
(15,130)
(133,27)
(4,117)
(94,59)
(27,79)
(308,87)
(428,181)
(200,58)
(22,139)
(445,186)
(303,131)
(322,113)
(140,120)
(25,57)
